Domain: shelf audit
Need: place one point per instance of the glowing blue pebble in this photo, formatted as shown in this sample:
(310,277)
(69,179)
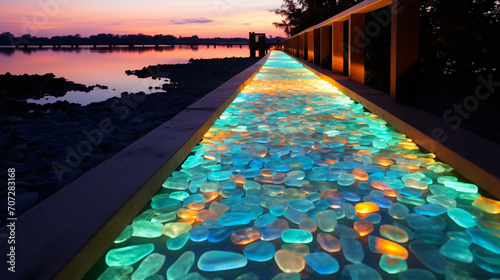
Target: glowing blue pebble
(322,263)
(260,251)
(360,272)
(235,218)
(220,175)
(193,199)
(346,179)
(221,260)
(411,192)
(198,234)
(485,239)
(350,196)
(461,217)
(217,235)
(300,205)
(382,202)
(264,220)
(430,209)
(277,210)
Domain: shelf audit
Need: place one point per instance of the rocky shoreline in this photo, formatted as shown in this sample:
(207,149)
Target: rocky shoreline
(51,145)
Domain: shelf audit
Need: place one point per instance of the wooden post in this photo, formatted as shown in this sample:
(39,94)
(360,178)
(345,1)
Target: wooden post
(404,48)
(338,47)
(310,46)
(357,48)
(326,49)
(306,45)
(317,46)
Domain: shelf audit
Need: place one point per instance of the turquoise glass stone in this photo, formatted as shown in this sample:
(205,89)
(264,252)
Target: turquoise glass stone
(461,187)
(430,209)
(217,235)
(261,251)
(486,259)
(411,200)
(360,272)
(235,218)
(294,216)
(326,220)
(253,210)
(221,260)
(192,161)
(125,234)
(128,255)
(180,268)
(297,236)
(149,266)
(193,199)
(147,229)
(416,274)
(429,255)
(411,192)
(391,264)
(433,236)
(346,179)
(115,272)
(220,175)
(300,205)
(419,222)
(322,263)
(163,202)
(442,200)
(485,239)
(352,249)
(461,217)
(264,220)
(398,211)
(456,250)
(198,234)
(178,242)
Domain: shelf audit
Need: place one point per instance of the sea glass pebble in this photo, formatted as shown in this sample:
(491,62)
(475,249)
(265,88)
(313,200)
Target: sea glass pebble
(259,251)
(487,205)
(180,268)
(416,274)
(384,246)
(115,272)
(289,262)
(398,211)
(429,255)
(322,263)
(178,242)
(394,233)
(456,250)
(485,239)
(300,250)
(149,266)
(296,236)
(128,255)
(352,249)
(360,272)
(328,242)
(391,264)
(221,260)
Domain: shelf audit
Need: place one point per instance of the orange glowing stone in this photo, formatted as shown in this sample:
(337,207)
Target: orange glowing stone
(330,161)
(391,193)
(186,213)
(204,215)
(380,186)
(360,174)
(245,235)
(196,205)
(238,179)
(209,196)
(384,246)
(364,208)
(363,227)
(487,205)
(267,172)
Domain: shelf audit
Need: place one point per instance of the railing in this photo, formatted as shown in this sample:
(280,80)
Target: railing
(323,44)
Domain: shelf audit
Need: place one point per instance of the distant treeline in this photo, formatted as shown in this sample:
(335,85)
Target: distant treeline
(9,38)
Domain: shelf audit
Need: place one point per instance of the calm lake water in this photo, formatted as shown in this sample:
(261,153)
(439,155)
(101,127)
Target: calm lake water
(104,66)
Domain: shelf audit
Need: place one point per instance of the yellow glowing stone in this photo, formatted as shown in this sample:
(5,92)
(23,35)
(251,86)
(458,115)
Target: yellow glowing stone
(186,213)
(366,207)
(487,205)
(289,262)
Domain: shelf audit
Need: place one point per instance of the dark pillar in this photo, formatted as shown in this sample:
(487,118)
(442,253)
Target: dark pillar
(325,47)
(338,47)
(310,46)
(404,48)
(357,48)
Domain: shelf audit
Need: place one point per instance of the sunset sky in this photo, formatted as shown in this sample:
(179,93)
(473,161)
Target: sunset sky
(205,18)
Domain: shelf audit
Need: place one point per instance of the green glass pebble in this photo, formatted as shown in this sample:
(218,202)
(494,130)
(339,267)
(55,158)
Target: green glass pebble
(178,242)
(456,250)
(180,268)
(352,249)
(442,200)
(128,255)
(486,259)
(115,272)
(221,260)
(149,266)
(327,220)
(429,255)
(398,211)
(286,276)
(360,272)
(391,264)
(461,187)
(163,218)
(300,205)
(178,195)
(296,236)
(175,229)
(125,235)
(192,161)
(411,200)
(461,217)
(147,229)
(416,274)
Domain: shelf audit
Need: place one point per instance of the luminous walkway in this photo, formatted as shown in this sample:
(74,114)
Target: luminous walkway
(297,181)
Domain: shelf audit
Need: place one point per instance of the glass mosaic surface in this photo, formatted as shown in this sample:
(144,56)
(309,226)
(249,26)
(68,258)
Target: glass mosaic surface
(297,181)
